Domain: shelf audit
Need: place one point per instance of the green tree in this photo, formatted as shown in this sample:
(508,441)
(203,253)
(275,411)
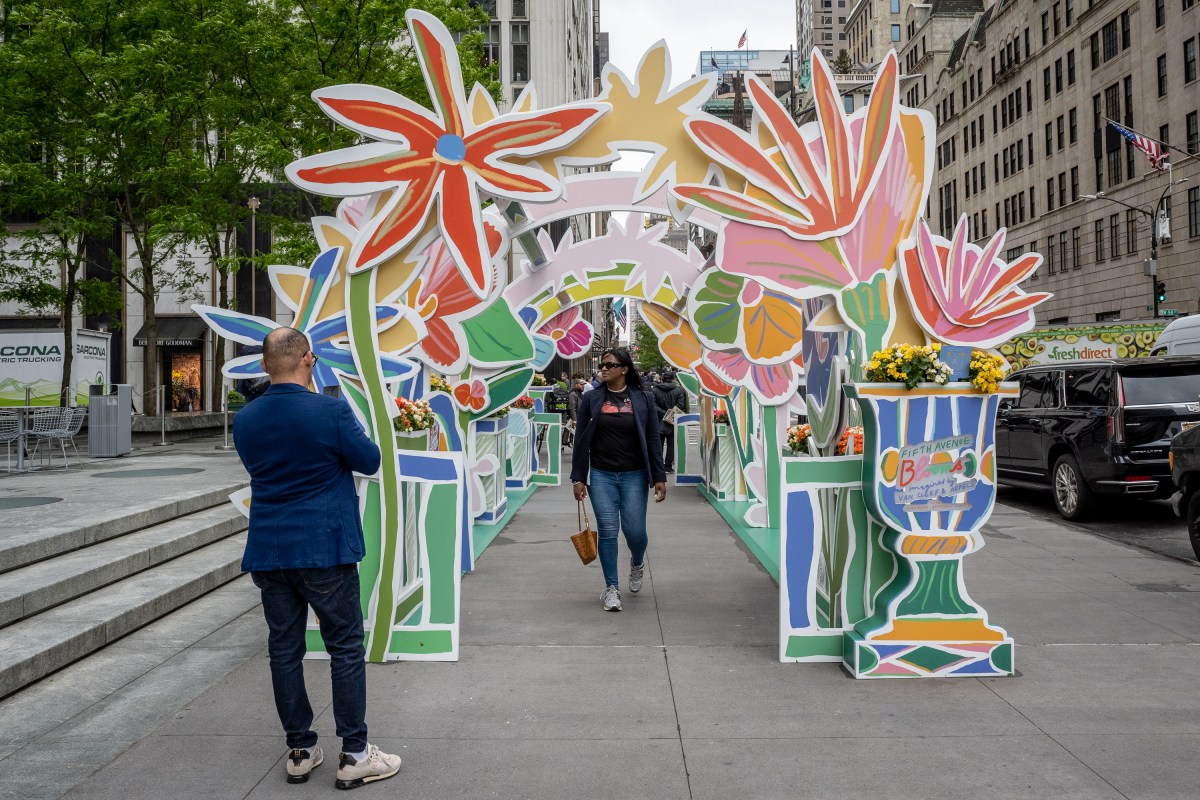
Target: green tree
(843,63)
(645,348)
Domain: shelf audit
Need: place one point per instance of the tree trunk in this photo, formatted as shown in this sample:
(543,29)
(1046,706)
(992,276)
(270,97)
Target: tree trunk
(151,374)
(67,389)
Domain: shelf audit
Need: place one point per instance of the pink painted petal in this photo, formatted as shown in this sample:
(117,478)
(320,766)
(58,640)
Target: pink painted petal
(800,268)
(774,382)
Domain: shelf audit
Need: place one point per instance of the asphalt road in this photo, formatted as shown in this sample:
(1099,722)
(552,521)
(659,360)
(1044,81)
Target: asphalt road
(1150,524)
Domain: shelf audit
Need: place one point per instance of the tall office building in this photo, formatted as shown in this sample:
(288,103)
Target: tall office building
(821,24)
(1022,98)
(549,42)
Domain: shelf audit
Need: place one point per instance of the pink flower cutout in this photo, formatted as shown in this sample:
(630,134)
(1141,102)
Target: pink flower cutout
(471,396)
(965,295)
(572,334)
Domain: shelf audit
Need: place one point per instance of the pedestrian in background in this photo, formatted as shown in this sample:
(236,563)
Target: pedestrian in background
(305,541)
(668,395)
(617,455)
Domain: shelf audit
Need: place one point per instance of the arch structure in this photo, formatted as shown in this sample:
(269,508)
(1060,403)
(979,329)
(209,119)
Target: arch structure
(826,296)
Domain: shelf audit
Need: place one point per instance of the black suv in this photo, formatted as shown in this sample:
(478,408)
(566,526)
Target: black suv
(1092,427)
(1185,470)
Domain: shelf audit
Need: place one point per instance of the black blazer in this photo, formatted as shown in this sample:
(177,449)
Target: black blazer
(645,416)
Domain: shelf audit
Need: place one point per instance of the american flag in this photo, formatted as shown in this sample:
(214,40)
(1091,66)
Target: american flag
(742,41)
(1151,147)
(620,311)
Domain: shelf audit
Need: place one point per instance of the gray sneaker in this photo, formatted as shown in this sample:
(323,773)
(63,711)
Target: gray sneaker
(612,599)
(635,577)
(376,766)
(301,762)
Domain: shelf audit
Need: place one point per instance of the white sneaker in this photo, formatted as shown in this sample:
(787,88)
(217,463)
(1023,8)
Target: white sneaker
(376,766)
(612,599)
(301,762)
(636,573)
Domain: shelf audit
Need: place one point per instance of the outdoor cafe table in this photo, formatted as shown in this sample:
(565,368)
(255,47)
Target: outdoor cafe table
(22,432)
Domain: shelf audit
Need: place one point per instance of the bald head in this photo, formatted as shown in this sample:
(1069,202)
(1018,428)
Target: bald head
(283,353)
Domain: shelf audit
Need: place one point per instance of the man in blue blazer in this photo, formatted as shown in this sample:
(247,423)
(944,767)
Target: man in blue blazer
(305,541)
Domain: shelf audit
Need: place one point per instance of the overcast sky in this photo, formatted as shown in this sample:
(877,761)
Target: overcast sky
(690,26)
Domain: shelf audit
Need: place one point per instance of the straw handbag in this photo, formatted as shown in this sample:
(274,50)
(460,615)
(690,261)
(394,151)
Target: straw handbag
(585,540)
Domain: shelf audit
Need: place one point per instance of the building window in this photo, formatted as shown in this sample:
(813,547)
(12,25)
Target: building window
(848,103)
(1192,123)
(1075,263)
(1049,194)
(1062,252)
(1131,221)
(518,9)
(1049,138)
(1189,60)
(1072,126)
(1057,28)
(1058,75)
(1070,12)
(1114,234)
(1098,235)
(1162,75)
(520,52)
(1046,85)
(1050,254)
(895,6)
(895,33)
(1045,28)
(1194,211)
(1160,13)
(1074,184)
(1108,36)
(491,44)
(1070,68)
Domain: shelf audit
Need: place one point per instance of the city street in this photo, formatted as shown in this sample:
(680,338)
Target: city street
(1150,524)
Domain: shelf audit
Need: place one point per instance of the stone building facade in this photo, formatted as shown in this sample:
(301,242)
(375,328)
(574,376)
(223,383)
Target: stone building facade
(1022,98)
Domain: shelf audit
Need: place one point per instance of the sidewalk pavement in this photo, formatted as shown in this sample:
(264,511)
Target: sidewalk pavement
(681,695)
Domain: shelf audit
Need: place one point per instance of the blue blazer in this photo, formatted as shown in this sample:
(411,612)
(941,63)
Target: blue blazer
(300,449)
(645,416)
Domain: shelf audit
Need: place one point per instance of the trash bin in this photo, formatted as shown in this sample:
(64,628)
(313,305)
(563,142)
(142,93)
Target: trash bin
(110,420)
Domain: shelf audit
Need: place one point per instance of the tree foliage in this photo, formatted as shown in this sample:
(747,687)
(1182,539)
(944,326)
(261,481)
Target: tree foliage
(165,116)
(645,348)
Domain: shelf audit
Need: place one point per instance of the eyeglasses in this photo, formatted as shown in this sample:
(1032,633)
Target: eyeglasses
(610,365)
(314,355)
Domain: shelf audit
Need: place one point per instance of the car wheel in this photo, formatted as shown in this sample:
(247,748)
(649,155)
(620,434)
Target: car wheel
(1072,496)
(1193,522)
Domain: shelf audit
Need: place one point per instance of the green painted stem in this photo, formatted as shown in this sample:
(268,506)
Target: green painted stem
(366,359)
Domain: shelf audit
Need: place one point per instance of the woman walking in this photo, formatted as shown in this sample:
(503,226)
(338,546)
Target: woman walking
(617,455)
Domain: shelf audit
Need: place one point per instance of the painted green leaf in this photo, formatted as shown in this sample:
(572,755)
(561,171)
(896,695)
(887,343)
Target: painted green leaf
(716,312)
(497,338)
(504,388)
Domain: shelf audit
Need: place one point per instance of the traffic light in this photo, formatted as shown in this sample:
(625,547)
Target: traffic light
(1160,289)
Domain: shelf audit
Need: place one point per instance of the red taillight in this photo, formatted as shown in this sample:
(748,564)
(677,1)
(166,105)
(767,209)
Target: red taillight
(1133,478)
(1116,427)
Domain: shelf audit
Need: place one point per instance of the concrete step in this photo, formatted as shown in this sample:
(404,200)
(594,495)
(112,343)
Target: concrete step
(52,639)
(36,587)
(33,543)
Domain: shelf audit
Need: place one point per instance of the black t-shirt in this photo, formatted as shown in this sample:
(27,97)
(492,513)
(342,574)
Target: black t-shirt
(615,446)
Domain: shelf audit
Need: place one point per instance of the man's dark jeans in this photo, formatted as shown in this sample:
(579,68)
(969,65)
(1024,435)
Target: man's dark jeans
(668,440)
(333,594)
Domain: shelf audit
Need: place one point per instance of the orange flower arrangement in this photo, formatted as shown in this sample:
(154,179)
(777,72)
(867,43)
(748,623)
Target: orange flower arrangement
(844,440)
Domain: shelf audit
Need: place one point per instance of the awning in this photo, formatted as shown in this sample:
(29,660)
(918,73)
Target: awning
(175,332)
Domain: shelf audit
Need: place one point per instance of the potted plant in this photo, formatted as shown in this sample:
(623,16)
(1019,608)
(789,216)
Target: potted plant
(798,437)
(414,422)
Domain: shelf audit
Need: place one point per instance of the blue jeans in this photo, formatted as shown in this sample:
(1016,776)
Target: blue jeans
(619,501)
(333,594)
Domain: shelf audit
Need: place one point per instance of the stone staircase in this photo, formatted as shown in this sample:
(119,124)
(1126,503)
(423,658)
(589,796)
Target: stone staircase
(67,591)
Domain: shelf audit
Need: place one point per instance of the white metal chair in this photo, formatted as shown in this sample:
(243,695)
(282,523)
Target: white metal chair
(49,425)
(70,432)
(10,429)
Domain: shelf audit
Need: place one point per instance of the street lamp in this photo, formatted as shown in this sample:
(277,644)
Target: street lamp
(1152,214)
(253,204)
